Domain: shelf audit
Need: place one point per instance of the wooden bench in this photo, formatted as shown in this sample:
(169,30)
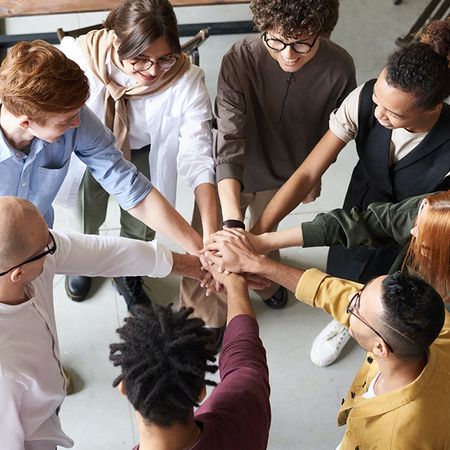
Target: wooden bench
(15,8)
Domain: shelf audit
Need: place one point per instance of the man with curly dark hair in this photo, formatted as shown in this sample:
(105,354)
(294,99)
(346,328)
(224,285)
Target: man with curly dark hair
(164,359)
(401,126)
(275,93)
(400,397)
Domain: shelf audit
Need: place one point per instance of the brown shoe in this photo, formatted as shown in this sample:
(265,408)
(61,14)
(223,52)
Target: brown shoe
(69,381)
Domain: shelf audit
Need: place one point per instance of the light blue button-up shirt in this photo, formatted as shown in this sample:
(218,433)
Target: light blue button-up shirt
(38,176)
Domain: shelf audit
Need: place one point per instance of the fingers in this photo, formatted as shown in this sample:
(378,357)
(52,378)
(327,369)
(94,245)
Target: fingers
(206,279)
(212,258)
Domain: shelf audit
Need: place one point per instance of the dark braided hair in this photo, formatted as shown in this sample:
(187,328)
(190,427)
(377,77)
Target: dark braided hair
(164,357)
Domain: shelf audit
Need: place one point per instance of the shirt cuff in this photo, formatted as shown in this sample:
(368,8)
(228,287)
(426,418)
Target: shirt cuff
(163,262)
(204,177)
(140,188)
(308,285)
(229,170)
(339,130)
(313,233)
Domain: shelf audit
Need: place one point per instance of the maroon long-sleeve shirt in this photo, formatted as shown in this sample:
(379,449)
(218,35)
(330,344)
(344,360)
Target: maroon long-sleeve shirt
(236,416)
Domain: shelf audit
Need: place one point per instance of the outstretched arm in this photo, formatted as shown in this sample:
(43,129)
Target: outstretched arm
(206,199)
(300,183)
(237,293)
(373,227)
(263,243)
(237,255)
(230,198)
(155,211)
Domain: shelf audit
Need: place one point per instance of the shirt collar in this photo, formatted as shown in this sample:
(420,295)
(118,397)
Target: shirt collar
(6,308)
(8,151)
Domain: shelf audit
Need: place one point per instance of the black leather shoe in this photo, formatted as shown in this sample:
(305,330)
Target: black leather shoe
(77,287)
(130,288)
(278,300)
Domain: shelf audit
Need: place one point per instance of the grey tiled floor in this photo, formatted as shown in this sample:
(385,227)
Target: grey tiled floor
(305,398)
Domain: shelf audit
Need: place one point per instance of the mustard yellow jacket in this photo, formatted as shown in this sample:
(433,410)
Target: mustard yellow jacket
(412,418)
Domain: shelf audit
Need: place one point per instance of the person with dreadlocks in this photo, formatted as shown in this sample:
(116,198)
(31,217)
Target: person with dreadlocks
(164,361)
(31,376)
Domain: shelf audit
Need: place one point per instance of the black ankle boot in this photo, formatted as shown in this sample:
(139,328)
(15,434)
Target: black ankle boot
(278,300)
(77,287)
(130,288)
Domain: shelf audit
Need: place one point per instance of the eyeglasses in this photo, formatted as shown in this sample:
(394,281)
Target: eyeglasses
(164,63)
(354,305)
(49,250)
(298,46)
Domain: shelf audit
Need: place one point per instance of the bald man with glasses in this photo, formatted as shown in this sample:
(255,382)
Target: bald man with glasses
(32,383)
(400,398)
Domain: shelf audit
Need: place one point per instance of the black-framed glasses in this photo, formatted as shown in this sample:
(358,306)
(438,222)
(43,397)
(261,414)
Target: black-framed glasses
(164,63)
(49,250)
(354,305)
(298,46)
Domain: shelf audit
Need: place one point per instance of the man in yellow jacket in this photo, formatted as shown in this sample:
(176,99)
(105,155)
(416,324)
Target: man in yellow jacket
(400,398)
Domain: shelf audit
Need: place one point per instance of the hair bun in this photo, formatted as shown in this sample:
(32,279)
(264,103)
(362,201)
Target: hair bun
(437,36)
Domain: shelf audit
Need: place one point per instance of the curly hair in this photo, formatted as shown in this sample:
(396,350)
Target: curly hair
(138,23)
(163,357)
(422,68)
(37,79)
(413,314)
(291,18)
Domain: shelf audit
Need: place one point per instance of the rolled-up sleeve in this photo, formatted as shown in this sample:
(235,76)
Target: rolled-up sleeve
(195,161)
(343,121)
(95,145)
(380,223)
(321,290)
(230,111)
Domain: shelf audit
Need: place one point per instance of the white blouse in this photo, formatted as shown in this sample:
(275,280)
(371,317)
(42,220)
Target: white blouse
(176,122)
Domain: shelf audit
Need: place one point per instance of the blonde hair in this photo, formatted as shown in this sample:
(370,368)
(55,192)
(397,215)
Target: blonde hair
(428,254)
(37,79)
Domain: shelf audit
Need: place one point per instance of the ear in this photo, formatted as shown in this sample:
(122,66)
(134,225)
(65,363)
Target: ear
(24,122)
(380,349)
(121,388)
(202,394)
(16,275)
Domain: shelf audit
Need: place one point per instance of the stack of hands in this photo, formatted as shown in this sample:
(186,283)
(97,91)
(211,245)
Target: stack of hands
(232,250)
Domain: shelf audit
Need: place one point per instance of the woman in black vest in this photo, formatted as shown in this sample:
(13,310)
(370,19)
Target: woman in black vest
(401,126)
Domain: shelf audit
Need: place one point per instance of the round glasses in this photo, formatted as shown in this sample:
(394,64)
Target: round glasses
(164,63)
(298,46)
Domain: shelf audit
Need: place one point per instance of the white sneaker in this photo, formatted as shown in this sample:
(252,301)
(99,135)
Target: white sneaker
(327,346)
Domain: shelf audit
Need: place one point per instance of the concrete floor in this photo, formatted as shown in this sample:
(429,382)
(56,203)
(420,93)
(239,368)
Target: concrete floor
(304,398)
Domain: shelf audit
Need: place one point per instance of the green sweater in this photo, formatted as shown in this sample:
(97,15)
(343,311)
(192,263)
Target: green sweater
(380,223)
